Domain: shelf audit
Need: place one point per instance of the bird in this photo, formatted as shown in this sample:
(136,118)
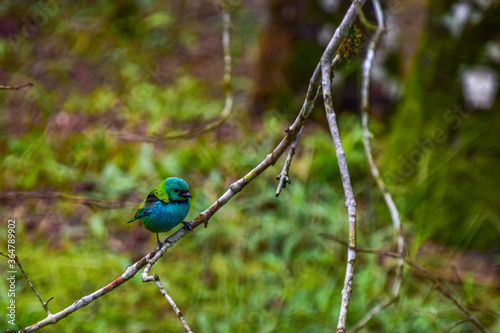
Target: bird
(165,207)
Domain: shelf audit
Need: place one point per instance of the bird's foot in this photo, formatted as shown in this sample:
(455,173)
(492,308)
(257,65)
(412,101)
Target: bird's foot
(187,225)
(160,244)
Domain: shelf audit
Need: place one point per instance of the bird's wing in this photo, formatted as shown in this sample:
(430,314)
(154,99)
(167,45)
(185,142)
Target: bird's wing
(158,194)
(143,209)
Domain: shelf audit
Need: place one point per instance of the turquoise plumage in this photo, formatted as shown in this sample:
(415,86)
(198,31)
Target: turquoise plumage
(165,207)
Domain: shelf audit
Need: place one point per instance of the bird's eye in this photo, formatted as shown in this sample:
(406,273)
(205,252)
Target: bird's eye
(176,191)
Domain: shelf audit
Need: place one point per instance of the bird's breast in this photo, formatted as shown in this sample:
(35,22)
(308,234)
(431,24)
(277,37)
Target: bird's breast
(165,216)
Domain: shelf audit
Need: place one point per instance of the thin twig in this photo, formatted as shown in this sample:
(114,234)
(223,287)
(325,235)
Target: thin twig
(52,195)
(85,300)
(448,294)
(284,177)
(437,283)
(226,83)
(363,18)
(326,68)
(452,326)
(172,303)
(373,312)
(396,221)
(27,84)
(44,304)
(156,279)
(226,87)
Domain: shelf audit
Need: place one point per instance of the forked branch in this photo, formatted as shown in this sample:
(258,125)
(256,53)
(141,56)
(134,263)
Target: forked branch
(396,220)
(326,68)
(322,71)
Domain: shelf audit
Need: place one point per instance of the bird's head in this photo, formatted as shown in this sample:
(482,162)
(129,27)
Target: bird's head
(177,189)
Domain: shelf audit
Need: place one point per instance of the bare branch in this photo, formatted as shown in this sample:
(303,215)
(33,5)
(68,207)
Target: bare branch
(226,83)
(373,312)
(203,218)
(326,68)
(448,294)
(52,195)
(284,177)
(156,279)
(362,17)
(44,304)
(396,221)
(226,87)
(460,322)
(438,285)
(172,303)
(85,300)
(236,187)
(28,84)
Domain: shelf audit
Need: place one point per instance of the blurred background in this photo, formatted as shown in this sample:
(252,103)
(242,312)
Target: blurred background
(77,157)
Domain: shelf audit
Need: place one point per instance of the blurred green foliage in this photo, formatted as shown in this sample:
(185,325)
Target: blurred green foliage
(104,70)
(447,158)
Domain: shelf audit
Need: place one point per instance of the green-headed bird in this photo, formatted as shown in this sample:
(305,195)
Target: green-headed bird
(165,207)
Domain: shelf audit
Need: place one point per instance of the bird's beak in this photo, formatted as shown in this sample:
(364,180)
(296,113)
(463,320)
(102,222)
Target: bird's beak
(185,194)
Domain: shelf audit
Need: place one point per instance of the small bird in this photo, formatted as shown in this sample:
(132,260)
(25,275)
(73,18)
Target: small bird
(165,207)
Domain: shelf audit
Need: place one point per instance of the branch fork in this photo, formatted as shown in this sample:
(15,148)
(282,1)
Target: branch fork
(156,279)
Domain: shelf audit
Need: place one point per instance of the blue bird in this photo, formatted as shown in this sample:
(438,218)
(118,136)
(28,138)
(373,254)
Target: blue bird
(165,207)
